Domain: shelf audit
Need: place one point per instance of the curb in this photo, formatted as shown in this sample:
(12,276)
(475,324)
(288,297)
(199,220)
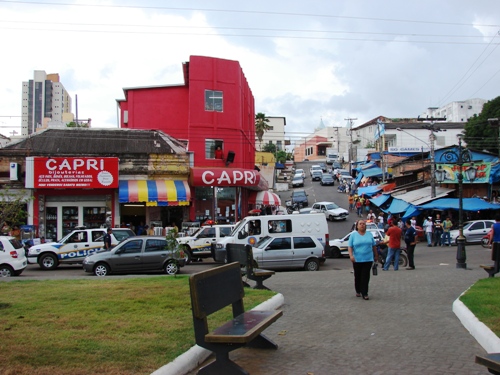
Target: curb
(483,335)
(196,355)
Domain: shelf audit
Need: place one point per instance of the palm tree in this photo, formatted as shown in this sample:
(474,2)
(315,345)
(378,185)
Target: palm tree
(261,126)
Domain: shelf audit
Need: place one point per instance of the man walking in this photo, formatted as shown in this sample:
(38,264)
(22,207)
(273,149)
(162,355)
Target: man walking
(447,225)
(438,231)
(428,227)
(410,244)
(107,239)
(394,244)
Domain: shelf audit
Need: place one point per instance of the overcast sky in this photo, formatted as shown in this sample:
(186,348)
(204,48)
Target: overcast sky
(304,60)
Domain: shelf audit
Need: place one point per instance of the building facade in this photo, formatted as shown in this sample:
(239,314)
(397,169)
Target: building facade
(45,102)
(460,111)
(275,135)
(213,113)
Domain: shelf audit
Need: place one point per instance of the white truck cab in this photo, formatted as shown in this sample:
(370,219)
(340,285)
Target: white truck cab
(74,247)
(202,243)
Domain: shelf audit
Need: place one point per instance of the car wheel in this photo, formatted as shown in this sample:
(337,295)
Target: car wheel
(48,262)
(171,268)
(335,252)
(312,265)
(6,271)
(187,254)
(330,218)
(101,269)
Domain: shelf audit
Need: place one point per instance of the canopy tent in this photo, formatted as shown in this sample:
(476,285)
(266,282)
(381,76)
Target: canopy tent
(265,198)
(469,204)
(372,172)
(380,200)
(397,206)
(155,192)
(411,211)
(369,190)
(423,195)
(279,166)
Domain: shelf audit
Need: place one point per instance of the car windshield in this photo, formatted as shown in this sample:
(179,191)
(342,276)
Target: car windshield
(297,177)
(299,171)
(262,243)
(468,224)
(331,206)
(327,177)
(299,193)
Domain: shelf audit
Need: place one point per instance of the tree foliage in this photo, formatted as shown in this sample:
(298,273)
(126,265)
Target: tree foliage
(269,147)
(261,125)
(479,133)
(12,209)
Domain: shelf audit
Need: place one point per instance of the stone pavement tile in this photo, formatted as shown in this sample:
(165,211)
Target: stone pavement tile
(407,326)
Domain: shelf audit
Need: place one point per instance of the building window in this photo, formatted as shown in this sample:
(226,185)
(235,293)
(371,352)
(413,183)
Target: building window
(279,145)
(213,101)
(213,145)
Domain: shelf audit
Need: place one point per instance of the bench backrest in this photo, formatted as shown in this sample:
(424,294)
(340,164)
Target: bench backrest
(216,288)
(250,261)
(235,252)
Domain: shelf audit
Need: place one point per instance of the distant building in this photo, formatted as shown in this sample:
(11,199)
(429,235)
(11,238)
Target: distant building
(45,103)
(460,111)
(275,135)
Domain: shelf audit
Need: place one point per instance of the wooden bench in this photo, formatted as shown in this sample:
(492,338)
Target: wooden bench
(495,256)
(243,254)
(491,361)
(211,291)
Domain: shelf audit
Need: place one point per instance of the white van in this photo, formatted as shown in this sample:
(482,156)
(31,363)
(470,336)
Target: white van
(252,228)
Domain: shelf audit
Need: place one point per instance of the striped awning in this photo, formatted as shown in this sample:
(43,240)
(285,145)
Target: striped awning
(265,198)
(155,192)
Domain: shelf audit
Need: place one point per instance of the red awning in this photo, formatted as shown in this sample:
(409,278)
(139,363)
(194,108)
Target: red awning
(265,198)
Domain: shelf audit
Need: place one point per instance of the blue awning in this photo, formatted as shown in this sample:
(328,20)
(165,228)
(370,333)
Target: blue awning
(369,190)
(380,200)
(411,211)
(372,172)
(468,204)
(397,206)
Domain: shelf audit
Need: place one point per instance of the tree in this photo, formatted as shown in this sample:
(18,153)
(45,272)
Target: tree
(479,134)
(269,147)
(261,126)
(12,209)
(281,156)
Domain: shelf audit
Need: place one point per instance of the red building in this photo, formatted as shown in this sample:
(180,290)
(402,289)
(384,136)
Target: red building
(213,109)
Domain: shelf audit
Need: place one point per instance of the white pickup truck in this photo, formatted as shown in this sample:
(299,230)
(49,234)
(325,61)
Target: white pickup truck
(202,243)
(74,247)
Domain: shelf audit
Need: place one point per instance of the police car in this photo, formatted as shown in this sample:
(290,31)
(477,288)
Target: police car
(74,247)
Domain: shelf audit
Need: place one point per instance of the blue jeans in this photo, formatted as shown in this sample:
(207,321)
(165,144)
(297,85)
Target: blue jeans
(429,238)
(392,253)
(446,235)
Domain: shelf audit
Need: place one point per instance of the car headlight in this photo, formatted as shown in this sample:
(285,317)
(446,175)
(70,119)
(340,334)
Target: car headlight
(219,246)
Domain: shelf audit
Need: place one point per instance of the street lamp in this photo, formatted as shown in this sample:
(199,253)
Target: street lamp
(464,155)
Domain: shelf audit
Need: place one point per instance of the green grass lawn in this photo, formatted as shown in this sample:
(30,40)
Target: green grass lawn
(98,326)
(483,300)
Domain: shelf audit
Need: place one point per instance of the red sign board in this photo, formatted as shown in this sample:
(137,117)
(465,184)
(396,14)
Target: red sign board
(224,177)
(75,173)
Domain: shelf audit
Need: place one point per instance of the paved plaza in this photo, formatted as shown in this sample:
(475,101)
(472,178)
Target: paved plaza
(407,326)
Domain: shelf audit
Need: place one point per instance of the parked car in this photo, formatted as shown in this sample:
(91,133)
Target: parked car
(336,165)
(297,181)
(331,210)
(301,172)
(316,175)
(12,257)
(323,167)
(202,243)
(285,251)
(136,254)
(338,247)
(314,167)
(474,230)
(299,196)
(327,179)
(74,247)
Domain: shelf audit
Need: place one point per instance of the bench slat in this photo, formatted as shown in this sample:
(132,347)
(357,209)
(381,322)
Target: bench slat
(244,328)
(491,361)
(261,272)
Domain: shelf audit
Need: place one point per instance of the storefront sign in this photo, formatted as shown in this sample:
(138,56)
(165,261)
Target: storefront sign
(450,172)
(224,177)
(73,173)
(416,150)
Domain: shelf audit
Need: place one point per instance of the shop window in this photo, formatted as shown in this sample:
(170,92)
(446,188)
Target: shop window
(214,149)
(213,100)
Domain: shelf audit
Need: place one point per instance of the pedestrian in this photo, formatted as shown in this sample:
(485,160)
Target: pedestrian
(380,219)
(414,222)
(107,239)
(447,225)
(411,241)
(371,216)
(359,207)
(351,202)
(151,230)
(362,252)
(438,230)
(495,236)
(428,227)
(394,245)
(175,229)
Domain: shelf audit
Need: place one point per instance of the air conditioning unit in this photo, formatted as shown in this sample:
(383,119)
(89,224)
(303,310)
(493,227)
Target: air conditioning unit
(15,171)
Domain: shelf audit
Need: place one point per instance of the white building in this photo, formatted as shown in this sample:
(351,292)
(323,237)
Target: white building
(45,102)
(460,111)
(275,135)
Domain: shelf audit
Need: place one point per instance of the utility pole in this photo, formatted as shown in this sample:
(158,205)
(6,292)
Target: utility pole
(349,133)
(433,129)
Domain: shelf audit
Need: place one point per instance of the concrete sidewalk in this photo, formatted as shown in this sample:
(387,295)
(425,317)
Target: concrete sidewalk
(407,326)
